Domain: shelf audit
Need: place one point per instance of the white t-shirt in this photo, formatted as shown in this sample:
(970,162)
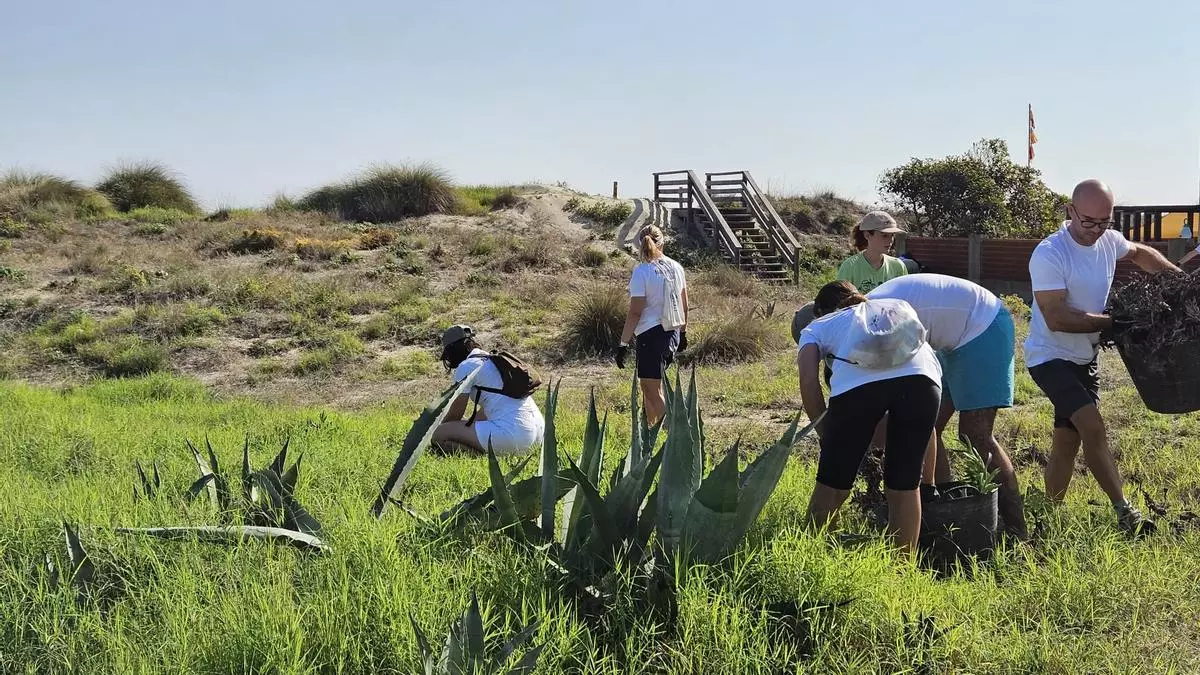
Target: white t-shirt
(647,281)
(1086,272)
(499,409)
(954,311)
(830,333)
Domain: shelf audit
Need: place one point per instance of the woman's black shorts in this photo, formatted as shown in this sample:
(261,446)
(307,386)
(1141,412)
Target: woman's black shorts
(911,403)
(655,352)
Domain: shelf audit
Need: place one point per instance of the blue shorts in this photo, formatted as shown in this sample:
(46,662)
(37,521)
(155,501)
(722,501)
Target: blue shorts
(979,374)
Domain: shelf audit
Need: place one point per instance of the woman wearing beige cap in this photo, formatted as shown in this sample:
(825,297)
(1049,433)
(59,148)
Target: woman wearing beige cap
(873,237)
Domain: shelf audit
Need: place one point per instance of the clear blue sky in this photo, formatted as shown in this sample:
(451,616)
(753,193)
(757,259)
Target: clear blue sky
(251,97)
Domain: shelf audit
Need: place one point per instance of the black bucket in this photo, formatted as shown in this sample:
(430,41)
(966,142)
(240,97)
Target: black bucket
(1168,380)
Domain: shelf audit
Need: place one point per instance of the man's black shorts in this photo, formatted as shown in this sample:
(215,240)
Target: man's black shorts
(655,352)
(1069,386)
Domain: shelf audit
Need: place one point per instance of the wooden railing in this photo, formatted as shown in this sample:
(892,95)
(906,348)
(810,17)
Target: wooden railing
(684,189)
(1145,223)
(739,186)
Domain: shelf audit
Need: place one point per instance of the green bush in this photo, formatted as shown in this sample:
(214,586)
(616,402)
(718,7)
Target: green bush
(150,229)
(11,274)
(594,322)
(123,356)
(386,194)
(143,184)
(157,214)
(42,198)
(329,350)
(606,214)
(474,200)
(173,321)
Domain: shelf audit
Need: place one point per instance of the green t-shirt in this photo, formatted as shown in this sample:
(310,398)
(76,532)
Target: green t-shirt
(864,276)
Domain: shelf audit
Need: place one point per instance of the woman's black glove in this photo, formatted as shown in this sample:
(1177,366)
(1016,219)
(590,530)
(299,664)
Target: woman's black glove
(682,340)
(622,352)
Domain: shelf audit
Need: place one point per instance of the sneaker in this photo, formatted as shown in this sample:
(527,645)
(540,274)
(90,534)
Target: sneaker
(1131,521)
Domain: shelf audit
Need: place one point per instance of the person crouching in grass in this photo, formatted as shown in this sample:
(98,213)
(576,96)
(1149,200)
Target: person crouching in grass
(876,371)
(510,425)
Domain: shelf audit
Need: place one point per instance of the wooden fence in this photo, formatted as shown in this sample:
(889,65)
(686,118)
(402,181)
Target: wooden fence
(1001,265)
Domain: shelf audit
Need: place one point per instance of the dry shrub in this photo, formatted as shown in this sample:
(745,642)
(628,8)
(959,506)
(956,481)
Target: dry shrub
(257,241)
(322,249)
(589,256)
(42,197)
(536,253)
(506,198)
(738,339)
(594,322)
(731,280)
(376,237)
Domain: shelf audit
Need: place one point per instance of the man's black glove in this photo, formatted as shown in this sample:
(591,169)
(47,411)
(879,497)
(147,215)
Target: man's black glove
(622,352)
(682,340)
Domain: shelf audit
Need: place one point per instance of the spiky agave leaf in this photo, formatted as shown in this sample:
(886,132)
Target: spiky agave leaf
(157,480)
(232,534)
(506,651)
(509,519)
(549,465)
(83,572)
(147,487)
(712,512)
(472,506)
(463,653)
(527,499)
(291,477)
(636,435)
(207,480)
(681,468)
(629,493)
(278,464)
(51,572)
(417,440)
(575,523)
(428,657)
(247,480)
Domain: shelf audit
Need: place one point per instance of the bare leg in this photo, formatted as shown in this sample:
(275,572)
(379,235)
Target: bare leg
(945,413)
(459,433)
(653,400)
(904,518)
(823,506)
(1063,449)
(977,426)
(1094,437)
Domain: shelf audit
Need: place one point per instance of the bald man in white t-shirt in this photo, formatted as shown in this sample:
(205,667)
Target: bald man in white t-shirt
(1072,272)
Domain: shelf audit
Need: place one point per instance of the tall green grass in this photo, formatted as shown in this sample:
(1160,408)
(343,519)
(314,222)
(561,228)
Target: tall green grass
(146,184)
(1082,600)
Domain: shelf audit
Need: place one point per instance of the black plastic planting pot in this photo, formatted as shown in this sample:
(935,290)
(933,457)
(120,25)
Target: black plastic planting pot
(961,522)
(1168,380)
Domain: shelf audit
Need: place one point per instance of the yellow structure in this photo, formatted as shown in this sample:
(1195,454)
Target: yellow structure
(1172,223)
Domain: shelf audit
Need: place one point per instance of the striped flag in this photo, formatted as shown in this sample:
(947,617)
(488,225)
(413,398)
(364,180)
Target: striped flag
(1032,134)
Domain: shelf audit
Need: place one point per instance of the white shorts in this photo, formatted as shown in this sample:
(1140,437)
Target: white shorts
(506,439)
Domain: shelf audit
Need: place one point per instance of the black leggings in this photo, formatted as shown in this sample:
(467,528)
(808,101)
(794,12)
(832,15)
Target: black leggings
(912,405)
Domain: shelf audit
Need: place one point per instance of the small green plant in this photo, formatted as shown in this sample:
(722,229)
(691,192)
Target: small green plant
(11,274)
(150,229)
(123,356)
(10,228)
(481,246)
(974,468)
(142,184)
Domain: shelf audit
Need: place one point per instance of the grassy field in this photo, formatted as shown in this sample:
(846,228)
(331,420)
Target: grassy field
(121,341)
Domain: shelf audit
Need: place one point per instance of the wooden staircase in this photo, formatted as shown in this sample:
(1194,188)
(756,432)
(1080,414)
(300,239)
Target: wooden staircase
(734,217)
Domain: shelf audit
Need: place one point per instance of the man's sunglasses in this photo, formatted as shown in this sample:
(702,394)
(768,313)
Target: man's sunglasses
(1091,223)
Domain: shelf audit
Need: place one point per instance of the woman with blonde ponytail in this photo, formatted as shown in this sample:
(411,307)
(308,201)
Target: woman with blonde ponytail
(657,319)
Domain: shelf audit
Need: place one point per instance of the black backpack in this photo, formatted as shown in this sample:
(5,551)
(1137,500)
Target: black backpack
(517,379)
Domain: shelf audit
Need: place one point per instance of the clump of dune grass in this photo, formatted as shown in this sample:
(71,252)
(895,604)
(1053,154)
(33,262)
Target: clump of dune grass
(737,339)
(141,184)
(594,321)
(42,197)
(730,280)
(386,193)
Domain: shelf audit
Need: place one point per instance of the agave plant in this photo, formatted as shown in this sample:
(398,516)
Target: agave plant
(267,504)
(463,651)
(975,470)
(149,487)
(82,572)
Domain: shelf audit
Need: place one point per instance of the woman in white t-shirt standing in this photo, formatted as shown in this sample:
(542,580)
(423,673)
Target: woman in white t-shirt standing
(882,364)
(658,313)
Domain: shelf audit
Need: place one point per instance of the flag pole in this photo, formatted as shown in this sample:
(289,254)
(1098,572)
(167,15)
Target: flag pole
(1029,137)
